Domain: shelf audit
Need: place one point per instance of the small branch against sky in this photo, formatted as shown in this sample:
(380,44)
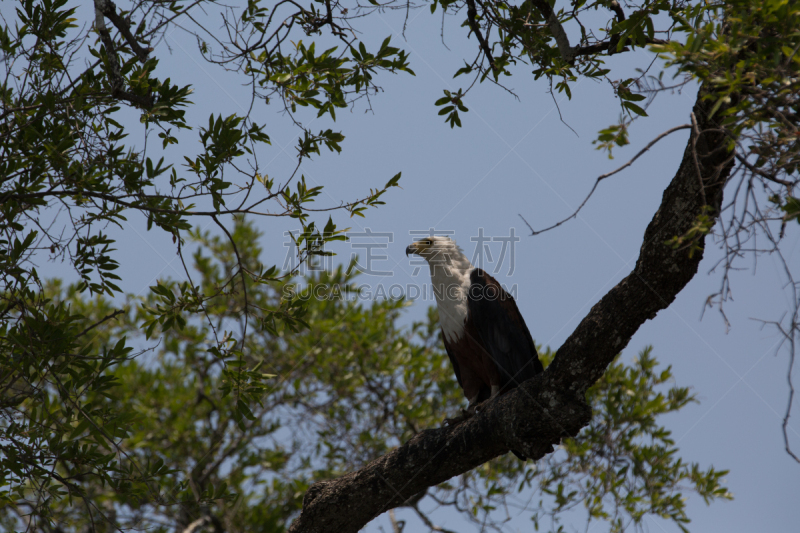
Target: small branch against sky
(605,176)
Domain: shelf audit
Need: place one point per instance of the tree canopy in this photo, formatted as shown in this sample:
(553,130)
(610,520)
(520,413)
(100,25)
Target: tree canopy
(341,392)
(198,398)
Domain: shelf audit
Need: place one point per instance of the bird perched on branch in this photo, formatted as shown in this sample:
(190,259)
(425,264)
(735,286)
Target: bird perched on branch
(484,334)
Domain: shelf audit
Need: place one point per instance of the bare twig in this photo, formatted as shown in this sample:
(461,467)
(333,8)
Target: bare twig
(397,526)
(785,424)
(763,174)
(104,319)
(241,271)
(695,136)
(558,108)
(608,175)
(431,525)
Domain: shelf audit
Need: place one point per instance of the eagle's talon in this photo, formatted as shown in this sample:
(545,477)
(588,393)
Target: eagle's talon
(455,420)
(476,408)
(466,414)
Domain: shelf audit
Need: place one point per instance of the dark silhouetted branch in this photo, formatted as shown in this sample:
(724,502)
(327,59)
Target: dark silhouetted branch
(539,413)
(472,20)
(109,10)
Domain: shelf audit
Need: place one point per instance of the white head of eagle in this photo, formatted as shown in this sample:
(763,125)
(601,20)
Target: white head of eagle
(484,333)
(450,272)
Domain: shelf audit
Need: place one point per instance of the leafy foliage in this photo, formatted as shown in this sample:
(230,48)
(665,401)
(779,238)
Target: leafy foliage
(68,173)
(238,405)
(338,394)
(624,465)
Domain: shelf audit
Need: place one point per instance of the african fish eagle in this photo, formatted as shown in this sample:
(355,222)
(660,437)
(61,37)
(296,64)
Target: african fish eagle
(484,334)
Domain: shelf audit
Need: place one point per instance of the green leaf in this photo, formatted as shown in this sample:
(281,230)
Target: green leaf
(393,182)
(635,108)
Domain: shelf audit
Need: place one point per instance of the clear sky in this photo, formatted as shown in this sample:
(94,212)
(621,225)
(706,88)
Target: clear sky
(515,157)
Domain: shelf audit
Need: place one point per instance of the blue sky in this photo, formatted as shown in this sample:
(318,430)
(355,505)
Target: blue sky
(515,157)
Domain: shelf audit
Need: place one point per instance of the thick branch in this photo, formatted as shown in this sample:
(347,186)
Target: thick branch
(531,418)
(472,20)
(617,9)
(109,10)
(114,75)
(661,272)
(567,51)
(102,7)
(540,412)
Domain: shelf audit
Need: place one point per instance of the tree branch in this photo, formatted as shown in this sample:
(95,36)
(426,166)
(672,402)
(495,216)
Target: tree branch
(109,316)
(660,272)
(115,78)
(604,176)
(540,412)
(569,53)
(617,9)
(107,8)
(532,418)
(472,20)
(765,175)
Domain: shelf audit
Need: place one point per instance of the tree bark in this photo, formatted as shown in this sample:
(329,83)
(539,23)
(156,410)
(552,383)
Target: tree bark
(540,412)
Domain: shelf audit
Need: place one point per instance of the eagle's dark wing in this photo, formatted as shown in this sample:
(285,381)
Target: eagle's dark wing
(453,360)
(494,314)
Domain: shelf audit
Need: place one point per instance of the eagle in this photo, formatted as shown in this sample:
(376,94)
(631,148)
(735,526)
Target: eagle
(485,336)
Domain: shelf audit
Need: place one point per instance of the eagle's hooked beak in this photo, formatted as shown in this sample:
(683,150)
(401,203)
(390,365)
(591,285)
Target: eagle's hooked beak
(417,247)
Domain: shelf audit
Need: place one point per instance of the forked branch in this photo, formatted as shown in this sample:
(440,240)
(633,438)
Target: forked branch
(542,411)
